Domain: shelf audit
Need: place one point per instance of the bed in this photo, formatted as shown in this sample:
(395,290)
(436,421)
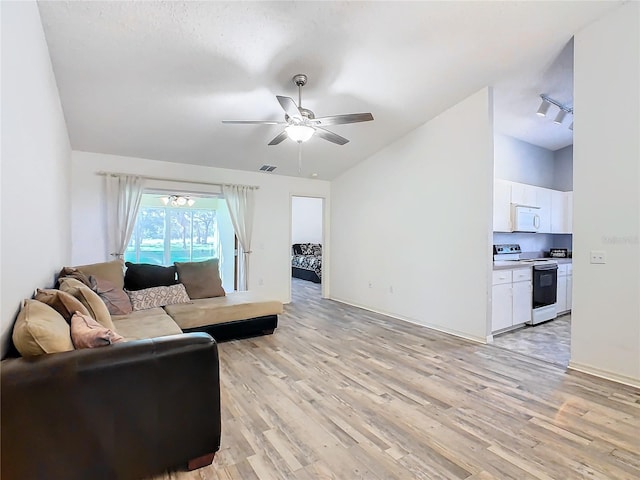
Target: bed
(306,261)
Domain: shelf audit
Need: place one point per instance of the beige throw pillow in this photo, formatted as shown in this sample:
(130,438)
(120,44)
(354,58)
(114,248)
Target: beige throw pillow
(87,333)
(39,329)
(90,299)
(201,279)
(116,299)
(62,302)
(158,297)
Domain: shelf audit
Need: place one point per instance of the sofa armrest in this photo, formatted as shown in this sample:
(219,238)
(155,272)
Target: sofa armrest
(128,410)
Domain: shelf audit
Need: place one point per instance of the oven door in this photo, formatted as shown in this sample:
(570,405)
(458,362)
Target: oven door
(545,285)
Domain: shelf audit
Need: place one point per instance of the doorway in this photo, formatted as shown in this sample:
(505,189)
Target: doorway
(307,244)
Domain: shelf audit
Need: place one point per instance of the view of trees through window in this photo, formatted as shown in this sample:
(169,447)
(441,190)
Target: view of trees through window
(166,234)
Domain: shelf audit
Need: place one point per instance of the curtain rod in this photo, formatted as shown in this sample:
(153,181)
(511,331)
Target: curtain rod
(163,179)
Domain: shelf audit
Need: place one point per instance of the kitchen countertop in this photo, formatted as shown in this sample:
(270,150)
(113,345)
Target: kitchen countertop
(515,265)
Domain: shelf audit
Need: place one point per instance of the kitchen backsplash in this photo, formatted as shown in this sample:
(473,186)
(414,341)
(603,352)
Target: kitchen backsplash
(535,242)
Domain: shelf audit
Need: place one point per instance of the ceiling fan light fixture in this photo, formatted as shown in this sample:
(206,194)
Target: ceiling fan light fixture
(299,133)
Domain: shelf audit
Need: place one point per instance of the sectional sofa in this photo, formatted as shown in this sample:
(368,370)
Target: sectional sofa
(146,401)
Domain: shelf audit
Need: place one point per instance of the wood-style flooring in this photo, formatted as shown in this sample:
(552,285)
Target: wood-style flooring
(341,393)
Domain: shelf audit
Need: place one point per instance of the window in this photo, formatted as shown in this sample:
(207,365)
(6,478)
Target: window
(164,234)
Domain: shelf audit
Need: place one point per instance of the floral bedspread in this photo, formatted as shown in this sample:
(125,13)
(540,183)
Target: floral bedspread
(308,262)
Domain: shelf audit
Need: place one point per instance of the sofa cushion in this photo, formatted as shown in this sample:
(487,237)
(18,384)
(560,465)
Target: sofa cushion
(90,299)
(112,271)
(143,275)
(211,311)
(116,299)
(143,324)
(39,329)
(87,333)
(158,297)
(201,279)
(62,302)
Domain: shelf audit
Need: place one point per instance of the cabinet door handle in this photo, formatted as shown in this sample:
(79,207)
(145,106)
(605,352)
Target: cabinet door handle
(536,221)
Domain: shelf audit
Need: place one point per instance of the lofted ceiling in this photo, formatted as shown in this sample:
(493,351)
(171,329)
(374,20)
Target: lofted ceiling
(155,79)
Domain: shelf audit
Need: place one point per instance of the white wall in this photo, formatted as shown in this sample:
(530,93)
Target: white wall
(306,220)
(523,162)
(270,267)
(35,166)
(411,225)
(605,337)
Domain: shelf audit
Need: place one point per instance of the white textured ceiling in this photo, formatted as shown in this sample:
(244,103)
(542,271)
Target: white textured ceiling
(155,79)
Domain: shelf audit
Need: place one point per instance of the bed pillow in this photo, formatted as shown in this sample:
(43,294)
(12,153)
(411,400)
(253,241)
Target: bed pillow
(297,249)
(62,302)
(87,333)
(116,299)
(158,297)
(39,329)
(201,279)
(143,275)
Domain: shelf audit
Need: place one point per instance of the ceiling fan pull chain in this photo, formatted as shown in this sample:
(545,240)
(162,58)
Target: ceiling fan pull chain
(299,158)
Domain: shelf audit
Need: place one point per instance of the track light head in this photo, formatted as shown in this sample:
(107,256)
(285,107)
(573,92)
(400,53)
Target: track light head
(560,117)
(544,107)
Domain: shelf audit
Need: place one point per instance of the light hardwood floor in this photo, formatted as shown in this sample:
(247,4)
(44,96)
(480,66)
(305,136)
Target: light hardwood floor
(342,393)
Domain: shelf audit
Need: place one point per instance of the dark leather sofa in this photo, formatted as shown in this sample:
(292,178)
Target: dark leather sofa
(126,411)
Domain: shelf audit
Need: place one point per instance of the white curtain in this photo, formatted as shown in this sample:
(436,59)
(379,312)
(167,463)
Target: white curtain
(124,193)
(240,201)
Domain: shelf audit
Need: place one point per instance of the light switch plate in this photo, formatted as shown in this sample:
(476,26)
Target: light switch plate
(598,256)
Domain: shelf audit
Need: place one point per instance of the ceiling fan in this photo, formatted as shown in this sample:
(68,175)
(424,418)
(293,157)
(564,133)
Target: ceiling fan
(302,124)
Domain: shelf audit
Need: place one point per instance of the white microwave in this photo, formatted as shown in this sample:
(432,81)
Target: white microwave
(525,218)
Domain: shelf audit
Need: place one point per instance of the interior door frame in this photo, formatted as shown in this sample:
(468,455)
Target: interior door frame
(325,237)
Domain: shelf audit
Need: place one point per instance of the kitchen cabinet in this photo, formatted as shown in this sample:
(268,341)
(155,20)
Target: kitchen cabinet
(510,298)
(561,212)
(523,194)
(556,208)
(501,206)
(543,201)
(565,285)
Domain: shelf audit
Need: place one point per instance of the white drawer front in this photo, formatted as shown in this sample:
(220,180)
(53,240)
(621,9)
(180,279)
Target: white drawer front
(501,276)
(522,275)
(562,269)
(569,268)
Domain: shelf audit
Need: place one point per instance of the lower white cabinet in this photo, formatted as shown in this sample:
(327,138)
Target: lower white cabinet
(510,298)
(565,285)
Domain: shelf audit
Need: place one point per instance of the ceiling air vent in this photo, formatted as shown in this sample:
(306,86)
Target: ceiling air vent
(267,168)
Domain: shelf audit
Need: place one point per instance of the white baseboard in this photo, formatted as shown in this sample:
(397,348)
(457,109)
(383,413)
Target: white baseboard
(438,328)
(607,375)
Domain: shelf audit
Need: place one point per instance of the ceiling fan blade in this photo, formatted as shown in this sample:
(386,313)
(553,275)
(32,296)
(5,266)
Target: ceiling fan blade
(290,107)
(278,139)
(332,137)
(256,122)
(342,119)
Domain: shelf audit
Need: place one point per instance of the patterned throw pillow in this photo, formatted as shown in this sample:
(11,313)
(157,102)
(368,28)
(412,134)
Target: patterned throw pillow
(158,297)
(306,248)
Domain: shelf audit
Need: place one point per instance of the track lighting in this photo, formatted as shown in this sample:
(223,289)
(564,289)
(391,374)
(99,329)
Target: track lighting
(560,117)
(563,110)
(544,108)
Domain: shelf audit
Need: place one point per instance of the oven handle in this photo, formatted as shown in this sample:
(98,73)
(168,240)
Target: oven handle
(545,267)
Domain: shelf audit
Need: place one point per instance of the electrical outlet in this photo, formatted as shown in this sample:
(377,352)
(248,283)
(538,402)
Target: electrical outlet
(598,256)
(260,282)
(370,285)
(391,289)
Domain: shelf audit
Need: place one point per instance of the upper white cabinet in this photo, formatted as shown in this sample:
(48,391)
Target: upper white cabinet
(561,212)
(523,194)
(556,208)
(501,206)
(543,201)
